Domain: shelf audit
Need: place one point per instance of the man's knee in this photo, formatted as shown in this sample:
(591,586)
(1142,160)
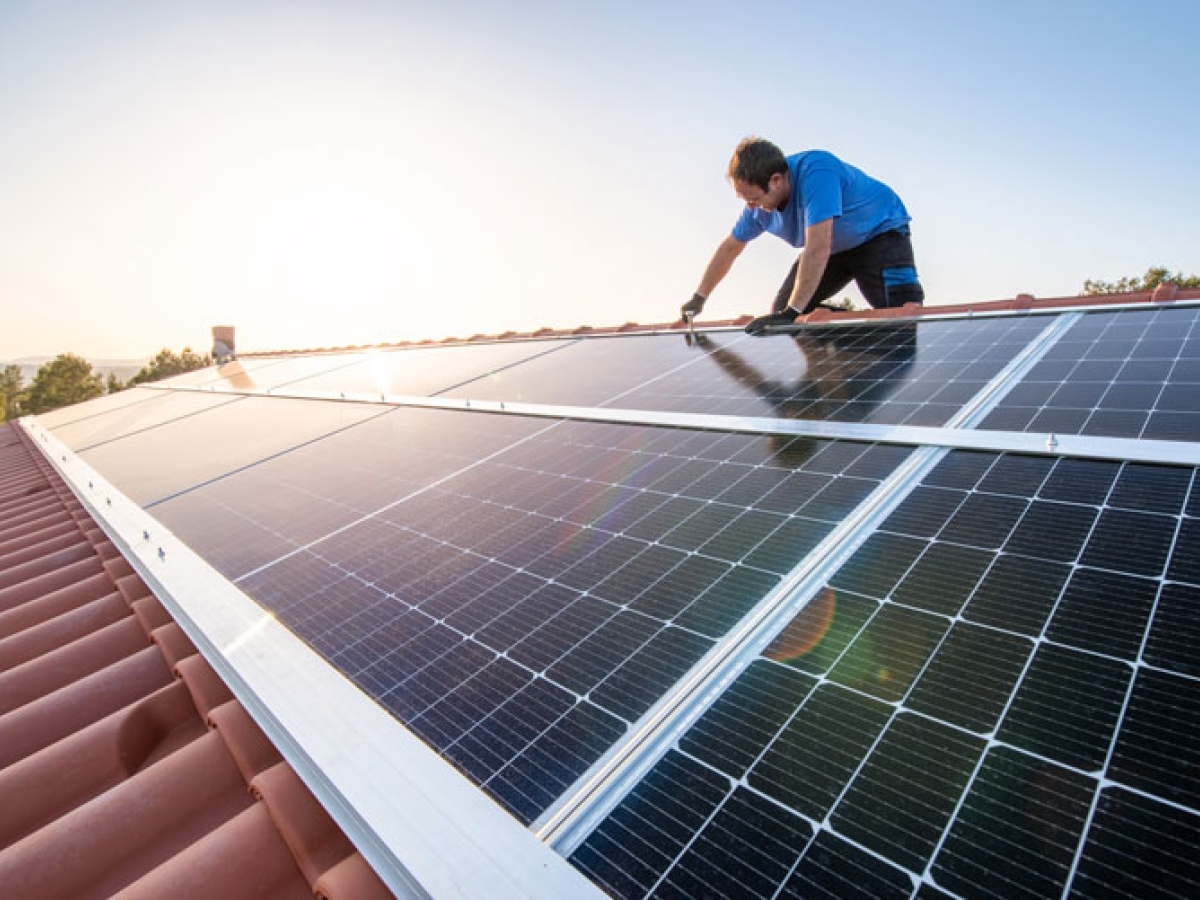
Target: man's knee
(900,286)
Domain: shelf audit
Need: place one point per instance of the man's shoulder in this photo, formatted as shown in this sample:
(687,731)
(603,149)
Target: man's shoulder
(807,160)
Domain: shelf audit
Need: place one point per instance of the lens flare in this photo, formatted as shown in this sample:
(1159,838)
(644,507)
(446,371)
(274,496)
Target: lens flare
(806,630)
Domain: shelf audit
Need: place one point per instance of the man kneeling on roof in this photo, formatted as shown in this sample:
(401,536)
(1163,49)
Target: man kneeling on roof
(849,226)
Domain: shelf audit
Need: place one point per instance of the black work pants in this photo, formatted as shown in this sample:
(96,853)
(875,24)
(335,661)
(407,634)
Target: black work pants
(883,268)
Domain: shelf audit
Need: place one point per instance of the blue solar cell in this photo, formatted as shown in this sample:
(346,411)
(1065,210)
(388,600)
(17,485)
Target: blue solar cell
(915,757)
(1157,751)
(886,373)
(1118,374)
(959,684)
(1174,639)
(746,849)
(1018,830)
(640,841)
(810,763)
(1067,707)
(971,677)
(834,868)
(745,719)
(1138,846)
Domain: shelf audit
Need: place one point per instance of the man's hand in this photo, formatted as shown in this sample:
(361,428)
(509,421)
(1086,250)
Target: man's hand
(785,316)
(692,308)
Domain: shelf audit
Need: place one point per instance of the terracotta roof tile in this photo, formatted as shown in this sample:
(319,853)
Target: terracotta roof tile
(1022,302)
(126,767)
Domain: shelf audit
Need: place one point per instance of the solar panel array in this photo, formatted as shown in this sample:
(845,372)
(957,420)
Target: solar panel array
(996,694)
(987,688)
(1117,374)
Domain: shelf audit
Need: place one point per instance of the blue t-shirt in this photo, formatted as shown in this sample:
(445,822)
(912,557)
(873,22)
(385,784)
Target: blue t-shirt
(824,187)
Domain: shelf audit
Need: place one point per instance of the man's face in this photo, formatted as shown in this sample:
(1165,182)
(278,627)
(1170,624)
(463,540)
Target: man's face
(772,199)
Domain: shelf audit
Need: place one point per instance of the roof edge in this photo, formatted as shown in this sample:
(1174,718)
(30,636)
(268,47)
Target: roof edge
(1166,293)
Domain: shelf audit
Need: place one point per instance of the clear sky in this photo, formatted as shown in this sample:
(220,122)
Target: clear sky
(362,171)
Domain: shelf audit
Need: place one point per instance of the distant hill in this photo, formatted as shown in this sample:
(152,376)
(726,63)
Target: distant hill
(124,369)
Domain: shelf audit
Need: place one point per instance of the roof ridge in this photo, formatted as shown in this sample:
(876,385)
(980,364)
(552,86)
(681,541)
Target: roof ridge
(1164,293)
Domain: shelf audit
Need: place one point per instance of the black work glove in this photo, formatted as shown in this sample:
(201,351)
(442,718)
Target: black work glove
(692,308)
(785,316)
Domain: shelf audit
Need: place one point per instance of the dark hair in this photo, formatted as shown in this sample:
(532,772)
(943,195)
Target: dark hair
(755,161)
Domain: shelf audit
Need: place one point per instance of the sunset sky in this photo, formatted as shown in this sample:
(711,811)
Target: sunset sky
(322,174)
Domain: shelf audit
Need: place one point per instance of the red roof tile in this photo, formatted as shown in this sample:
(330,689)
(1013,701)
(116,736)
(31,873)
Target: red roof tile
(126,766)
(1022,302)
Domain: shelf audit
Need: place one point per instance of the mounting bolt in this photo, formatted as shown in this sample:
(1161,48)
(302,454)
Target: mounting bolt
(145,535)
(1051,442)
(162,554)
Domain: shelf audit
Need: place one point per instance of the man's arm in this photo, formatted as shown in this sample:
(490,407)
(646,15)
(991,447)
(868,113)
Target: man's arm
(718,267)
(818,239)
(720,264)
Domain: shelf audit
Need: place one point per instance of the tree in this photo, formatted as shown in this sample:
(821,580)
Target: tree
(113,384)
(11,384)
(166,364)
(64,380)
(1154,276)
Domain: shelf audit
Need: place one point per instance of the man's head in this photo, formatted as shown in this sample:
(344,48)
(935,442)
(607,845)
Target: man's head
(759,173)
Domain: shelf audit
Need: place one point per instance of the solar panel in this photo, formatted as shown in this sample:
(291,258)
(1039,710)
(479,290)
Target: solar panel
(200,437)
(965,707)
(990,685)
(426,370)
(98,407)
(889,373)
(151,409)
(237,373)
(257,513)
(564,574)
(1117,374)
(266,373)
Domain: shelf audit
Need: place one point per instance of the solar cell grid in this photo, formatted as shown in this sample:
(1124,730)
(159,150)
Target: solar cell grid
(243,520)
(745,849)
(424,371)
(264,374)
(247,430)
(1138,846)
(995,695)
(885,373)
(1018,830)
(1173,642)
(1156,750)
(974,691)
(1116,374)
(834,868)
(117,415)
(605,565)
(237,373)
(915,757)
